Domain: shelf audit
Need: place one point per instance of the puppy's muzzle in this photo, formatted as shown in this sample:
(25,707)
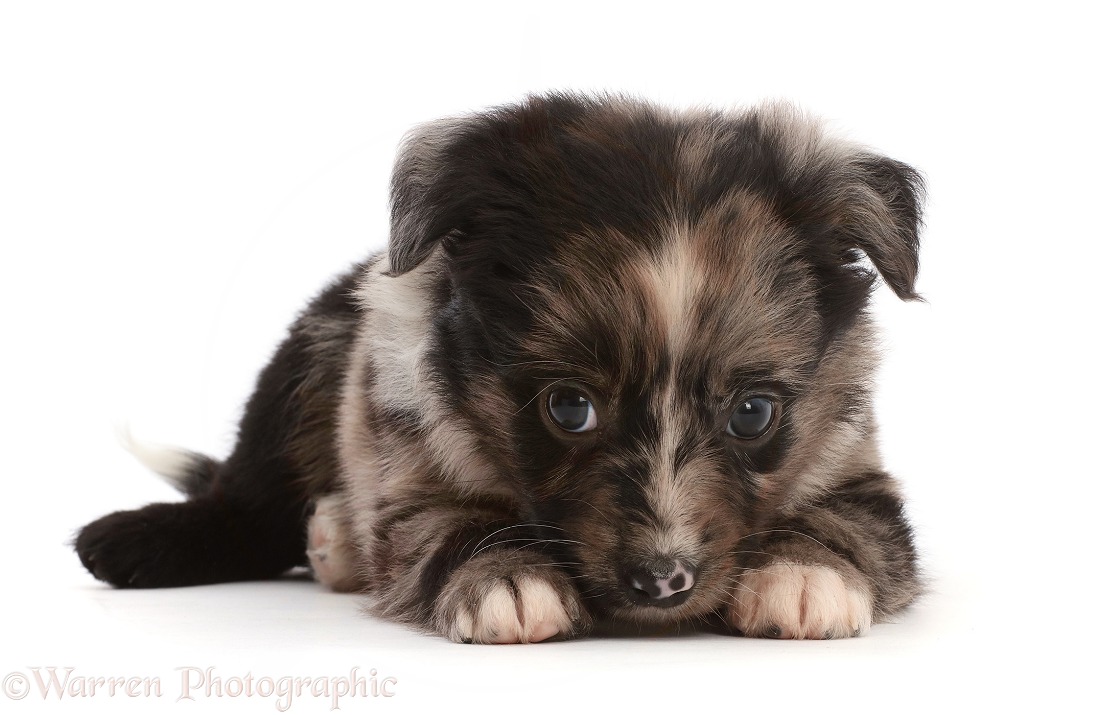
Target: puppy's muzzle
(662,583)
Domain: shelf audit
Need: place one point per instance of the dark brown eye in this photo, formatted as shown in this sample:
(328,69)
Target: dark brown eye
(751,418)
(571,410)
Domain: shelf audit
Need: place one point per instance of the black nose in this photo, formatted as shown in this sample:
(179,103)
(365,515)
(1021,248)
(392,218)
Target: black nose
(660,582)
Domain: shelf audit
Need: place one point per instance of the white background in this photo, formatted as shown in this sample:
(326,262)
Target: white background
(176,179)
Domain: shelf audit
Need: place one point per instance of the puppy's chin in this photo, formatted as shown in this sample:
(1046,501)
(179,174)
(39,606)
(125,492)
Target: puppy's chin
(695,609)
(690,609)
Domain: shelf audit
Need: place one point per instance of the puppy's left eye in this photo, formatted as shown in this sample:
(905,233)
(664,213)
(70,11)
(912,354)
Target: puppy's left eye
(571,410)
(751,418)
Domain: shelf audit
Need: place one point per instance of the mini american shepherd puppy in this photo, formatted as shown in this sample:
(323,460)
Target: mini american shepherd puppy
(615,365)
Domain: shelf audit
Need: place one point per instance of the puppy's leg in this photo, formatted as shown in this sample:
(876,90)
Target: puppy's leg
(472,576)
(245,522)
(830,570)
(246,518)
(201,541)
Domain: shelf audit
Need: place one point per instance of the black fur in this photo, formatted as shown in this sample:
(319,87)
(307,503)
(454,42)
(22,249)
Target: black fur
(245,519)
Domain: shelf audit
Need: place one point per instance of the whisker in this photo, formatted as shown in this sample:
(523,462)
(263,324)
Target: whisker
(539,393)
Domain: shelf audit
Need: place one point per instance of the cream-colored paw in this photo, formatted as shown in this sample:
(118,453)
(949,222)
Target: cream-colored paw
(527,611)
(329,547)
(791,600)
(485,601)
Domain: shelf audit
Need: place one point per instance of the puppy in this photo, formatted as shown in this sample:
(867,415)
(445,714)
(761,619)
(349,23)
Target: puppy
(615,364)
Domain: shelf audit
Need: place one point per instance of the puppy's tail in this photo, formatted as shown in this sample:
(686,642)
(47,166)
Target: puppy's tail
(191,473)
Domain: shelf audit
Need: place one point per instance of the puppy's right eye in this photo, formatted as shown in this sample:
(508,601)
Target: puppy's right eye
(751,418)
(571,410)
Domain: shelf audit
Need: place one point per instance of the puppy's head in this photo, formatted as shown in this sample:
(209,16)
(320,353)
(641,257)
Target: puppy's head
(654,321)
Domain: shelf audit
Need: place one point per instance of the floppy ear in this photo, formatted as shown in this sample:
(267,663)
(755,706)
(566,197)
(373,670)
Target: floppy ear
(474,177)
(860,199)
(877,210)
(426,199)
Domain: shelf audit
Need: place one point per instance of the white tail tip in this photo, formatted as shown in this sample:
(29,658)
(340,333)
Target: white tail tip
(174,464)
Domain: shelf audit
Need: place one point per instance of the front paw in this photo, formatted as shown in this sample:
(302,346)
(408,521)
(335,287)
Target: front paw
(785,599)
(493,599)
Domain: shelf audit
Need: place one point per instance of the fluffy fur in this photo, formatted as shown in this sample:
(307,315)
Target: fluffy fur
(666,267)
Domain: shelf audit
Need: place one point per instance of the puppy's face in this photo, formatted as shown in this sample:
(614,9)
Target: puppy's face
(659,388)
(655,324)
